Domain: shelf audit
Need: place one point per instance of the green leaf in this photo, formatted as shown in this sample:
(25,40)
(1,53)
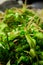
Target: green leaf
(32,53)
(8,63)
(31,41)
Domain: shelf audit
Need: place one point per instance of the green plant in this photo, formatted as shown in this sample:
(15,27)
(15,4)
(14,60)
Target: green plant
(21,38)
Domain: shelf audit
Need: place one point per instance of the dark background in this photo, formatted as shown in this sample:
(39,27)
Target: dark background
(32,1)
(14,3)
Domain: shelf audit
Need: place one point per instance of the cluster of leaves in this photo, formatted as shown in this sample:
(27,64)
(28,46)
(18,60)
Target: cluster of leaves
(21,38)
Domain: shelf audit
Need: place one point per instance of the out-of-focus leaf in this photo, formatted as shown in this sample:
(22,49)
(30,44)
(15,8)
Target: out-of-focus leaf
(8,63)
(31,41)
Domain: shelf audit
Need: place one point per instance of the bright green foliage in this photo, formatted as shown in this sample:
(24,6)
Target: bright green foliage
(21,38)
